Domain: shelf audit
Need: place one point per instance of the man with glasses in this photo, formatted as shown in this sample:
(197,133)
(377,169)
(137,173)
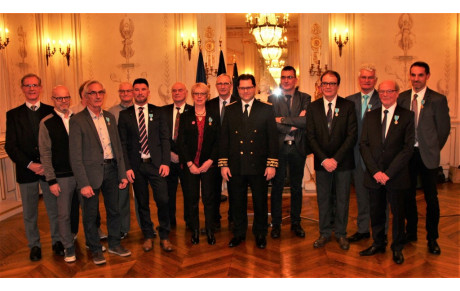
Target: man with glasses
(332,134)
(125,92)
(386,146)
(145,141)
(217,107)
(365,100)
(98,164)
(21,145)
(290,111)
(173,111)
(53,143)
(248,157)
(432,128)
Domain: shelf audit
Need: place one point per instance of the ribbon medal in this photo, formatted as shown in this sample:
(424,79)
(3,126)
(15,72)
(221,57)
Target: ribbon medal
(369,107)
(151,116)
(337,112)
(396,117)
(108,120)
(423,103)
(210,120)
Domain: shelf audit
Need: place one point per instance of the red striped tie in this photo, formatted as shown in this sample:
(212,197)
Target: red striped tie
(143,132)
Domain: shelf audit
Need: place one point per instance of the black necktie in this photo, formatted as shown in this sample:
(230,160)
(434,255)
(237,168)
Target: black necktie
(176,124)
(246,111)
(415,110)
(329,117)
(288,101)
(33,108)
(384,125)
(222,112)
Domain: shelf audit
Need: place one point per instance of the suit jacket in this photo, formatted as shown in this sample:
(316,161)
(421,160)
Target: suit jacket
(187,139)
(300,101)
(86,153)
(168,111)
(158,137)
(213,105)
(339,144)
(375,103)
(21,140)
(392,155)
(433,125)
(248,147)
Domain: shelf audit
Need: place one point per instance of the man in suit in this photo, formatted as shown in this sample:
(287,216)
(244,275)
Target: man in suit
(290,110)
(21,145)
(432,128)
(386,147)
(332,133)
(97,163)
(248,157)
(145,141)
(216,106)
(125,92)
(53,141)
(365,100)
(173,111)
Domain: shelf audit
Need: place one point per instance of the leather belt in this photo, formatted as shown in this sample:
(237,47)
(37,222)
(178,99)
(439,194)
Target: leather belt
(146,161)
(289,142)
(109,161)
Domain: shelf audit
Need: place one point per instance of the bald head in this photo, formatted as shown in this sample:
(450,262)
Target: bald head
(179,93)
(388,93)
(125,92)
(61,99)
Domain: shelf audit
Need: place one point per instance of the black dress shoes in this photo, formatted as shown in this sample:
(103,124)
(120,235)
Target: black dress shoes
(359,236)
(298,230)
(211,237)
(433,247)
(235,241)
(276,231)
(398,257)
(35,254)
(261,241)
(195,236)
(58,249)
(372,250)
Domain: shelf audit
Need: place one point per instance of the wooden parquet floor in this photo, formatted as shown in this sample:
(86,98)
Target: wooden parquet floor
(288,257)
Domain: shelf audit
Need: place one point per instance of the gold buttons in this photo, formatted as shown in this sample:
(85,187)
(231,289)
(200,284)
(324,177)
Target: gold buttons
(241,152)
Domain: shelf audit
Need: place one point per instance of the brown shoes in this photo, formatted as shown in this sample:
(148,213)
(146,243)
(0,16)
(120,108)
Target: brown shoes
(147,245)
(343,242)
(321,242)
(166,245)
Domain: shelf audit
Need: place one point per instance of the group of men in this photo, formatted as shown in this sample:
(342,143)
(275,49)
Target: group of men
(96,151)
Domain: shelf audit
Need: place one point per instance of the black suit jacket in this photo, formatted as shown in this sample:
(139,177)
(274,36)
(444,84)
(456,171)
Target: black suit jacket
(21,141)
(392,155)
(300,101)
(339,144)
(187,139)
(168,111)
(213,105)
(158,137)
(248,147)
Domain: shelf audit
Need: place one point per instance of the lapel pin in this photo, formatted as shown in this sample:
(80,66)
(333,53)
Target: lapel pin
(423,103)
(337,111)
(396,117)
(151,116)
(108,120)
(369,107)
(210,120)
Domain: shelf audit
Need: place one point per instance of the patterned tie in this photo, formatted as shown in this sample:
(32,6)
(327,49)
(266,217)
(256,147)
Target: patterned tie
(143,132)
(246,111)
(222,112)
(364,106)
(415,110)
(176,125)
(384,125)
(33,108)
(329,117)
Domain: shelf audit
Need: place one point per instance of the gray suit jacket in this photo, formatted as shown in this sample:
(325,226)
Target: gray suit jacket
(300,101)
(433,125)
(86,153)
(374,101)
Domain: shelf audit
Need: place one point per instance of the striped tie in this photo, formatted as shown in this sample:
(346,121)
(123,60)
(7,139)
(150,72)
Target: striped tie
(143,132)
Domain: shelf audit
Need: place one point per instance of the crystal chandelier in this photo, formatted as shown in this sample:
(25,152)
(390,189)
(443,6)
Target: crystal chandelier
(267,28)
(275,67)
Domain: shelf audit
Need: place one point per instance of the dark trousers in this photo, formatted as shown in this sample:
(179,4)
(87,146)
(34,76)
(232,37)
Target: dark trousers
(145,175)
(217,194)
(90,208)
(192,183)
(379,199)
(362,198)
(239,200)
(75,213)
(289,157)
(172,180)
(429,180)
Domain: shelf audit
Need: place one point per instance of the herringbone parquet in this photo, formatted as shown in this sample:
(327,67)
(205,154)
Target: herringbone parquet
(283,258)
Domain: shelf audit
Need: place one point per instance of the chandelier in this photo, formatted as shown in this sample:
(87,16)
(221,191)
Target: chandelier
(267,28)
(275,52)
(275,67)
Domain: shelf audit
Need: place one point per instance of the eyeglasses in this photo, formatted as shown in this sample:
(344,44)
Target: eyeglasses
(287,77)
(31,86)
(245,88)
(367,77)
(382,92)
(325,84)
(177,90)
(223,84)
(62,99)
(199,94)
(95,93)
(125,91)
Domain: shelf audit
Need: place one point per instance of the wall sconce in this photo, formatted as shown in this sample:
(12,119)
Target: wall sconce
(315,69)
(188,47)
(3,44)
(49,52)
(210,70)
(339,42)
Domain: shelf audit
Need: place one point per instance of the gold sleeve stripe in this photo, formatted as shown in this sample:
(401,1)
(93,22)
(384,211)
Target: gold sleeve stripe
(223,162)
(272,163)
